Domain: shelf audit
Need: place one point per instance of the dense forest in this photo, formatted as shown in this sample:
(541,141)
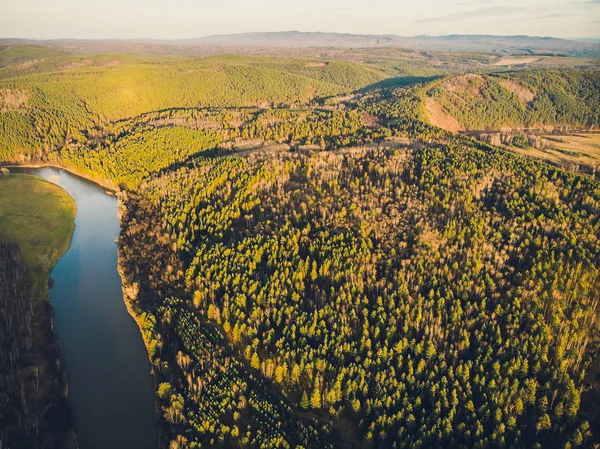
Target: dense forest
(45,111)
(33,407)
(431,296)
(315,263)
(522,100)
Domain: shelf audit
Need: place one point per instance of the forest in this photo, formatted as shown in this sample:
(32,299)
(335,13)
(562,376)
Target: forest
(316,263)
(417,293)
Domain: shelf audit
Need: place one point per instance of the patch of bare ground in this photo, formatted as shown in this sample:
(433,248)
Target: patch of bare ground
(525,95)
(243,144)
(27,64)
(316,64)
(262,150)
(515,61)
(577,152)
(437,116)
(469,83)
(12,99)
(370,120)
(397,142)
(74,65)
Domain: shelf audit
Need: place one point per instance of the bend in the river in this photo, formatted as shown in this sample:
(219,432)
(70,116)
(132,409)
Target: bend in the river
(111,390)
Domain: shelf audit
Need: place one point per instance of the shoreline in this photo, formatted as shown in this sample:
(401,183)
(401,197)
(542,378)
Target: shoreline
(135,313)
(132,309)
(108,186)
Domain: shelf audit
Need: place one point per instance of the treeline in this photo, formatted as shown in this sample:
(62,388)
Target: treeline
(33,408)
(442,295)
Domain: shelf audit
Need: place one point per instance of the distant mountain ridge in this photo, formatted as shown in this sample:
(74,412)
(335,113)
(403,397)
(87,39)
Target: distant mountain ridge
(501,45)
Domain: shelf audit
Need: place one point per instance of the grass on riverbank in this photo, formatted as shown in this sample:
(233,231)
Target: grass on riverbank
(38,216)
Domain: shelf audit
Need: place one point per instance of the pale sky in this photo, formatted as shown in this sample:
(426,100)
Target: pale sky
(163,19)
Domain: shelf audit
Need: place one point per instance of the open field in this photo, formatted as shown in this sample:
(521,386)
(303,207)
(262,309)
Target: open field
(515,60)
(38,216)
(578,152)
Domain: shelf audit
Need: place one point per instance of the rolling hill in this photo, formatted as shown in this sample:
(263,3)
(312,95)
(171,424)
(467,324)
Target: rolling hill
(46,110)
(313,263)
(526,99)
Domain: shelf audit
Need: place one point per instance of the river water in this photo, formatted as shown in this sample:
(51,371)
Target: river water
(111,390)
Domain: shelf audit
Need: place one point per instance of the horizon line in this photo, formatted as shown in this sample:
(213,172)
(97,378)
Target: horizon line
(41,39)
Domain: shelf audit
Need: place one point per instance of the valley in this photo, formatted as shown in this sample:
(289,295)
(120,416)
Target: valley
(396,243)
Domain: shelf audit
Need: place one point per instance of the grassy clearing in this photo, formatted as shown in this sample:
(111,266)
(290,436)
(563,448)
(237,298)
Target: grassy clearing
(38,216)
(578,152)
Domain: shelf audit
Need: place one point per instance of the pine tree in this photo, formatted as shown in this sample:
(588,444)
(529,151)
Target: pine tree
(314,273)
(304,401)
(315,398)
(255,362)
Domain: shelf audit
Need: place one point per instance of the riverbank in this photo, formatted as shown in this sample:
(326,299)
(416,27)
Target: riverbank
(130,293)
(111,389)
(125,287)
(104,183)
(36,227)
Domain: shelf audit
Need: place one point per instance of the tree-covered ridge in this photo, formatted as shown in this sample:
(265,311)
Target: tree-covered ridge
(127,152)
(56,107)
(443,295)
(530,98)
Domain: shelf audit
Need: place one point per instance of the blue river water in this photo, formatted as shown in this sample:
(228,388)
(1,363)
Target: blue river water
(111,389)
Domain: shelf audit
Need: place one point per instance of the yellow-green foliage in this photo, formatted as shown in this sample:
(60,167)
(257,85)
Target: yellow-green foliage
(38,216)
(444,275)
(61,105)
(127,152)
(521,99)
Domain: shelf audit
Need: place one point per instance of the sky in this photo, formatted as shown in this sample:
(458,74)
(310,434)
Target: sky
(175,19)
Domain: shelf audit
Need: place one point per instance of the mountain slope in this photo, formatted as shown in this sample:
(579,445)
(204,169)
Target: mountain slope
(515,100)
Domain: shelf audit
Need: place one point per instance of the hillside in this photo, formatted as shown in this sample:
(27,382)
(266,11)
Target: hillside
(505,100)
(45,111)
(410,294)
(525,99)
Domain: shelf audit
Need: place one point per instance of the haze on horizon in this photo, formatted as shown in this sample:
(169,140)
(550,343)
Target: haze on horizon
(126,19)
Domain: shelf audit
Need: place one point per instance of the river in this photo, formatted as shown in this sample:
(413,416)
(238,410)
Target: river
(111,390)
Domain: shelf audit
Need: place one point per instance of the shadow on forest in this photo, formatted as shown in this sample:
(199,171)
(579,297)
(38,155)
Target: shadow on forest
(397,81)
(188,161)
